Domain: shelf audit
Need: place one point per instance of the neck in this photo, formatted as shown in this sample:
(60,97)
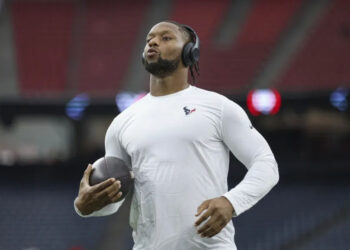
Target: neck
(175,82)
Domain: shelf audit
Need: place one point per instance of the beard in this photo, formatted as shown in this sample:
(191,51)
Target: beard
(162,67)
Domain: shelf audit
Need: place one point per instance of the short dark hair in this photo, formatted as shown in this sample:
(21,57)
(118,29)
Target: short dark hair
(191,37)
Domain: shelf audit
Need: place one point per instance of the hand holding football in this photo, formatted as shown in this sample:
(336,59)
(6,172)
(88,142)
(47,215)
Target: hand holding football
(112,167)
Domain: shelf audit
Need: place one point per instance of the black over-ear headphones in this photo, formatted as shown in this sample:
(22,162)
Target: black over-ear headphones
(190,52)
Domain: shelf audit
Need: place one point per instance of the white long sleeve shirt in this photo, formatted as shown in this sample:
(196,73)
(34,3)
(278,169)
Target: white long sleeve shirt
(178,147)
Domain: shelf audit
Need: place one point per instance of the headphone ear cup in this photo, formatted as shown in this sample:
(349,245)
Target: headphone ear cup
(194,55)
(186,54)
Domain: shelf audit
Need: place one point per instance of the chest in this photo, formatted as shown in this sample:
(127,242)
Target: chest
(173,127)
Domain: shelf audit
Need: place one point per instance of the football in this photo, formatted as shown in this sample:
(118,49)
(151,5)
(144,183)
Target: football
(112,167)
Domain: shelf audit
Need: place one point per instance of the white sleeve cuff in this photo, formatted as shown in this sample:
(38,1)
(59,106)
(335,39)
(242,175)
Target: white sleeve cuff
(237,210)
(107,210)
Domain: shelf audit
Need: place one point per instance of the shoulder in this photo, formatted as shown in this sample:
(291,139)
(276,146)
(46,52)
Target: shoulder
(208,98)
(207,94)
(129,112)
(134,107)
(216,99)
(226,108)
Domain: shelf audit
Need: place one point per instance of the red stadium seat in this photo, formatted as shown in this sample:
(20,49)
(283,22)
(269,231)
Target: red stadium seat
(42,34)
(232,69)
(322,63)
(108,38)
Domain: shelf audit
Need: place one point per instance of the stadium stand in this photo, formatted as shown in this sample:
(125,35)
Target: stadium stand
(322,62)
(309,206)
(107,27)
(41,216)
(333,239)
(42,34)
(231,69)
(107,41)
(205,28)
(183,12)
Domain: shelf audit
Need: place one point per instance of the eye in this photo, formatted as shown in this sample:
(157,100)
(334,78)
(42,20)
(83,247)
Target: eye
(166,38)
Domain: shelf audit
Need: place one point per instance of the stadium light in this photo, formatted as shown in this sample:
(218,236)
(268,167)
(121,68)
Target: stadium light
(263,101)
(338,99)
(75,107)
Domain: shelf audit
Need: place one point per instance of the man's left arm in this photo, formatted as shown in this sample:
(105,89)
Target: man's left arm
(250,148)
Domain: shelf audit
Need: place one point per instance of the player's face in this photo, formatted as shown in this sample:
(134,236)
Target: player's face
(163,48)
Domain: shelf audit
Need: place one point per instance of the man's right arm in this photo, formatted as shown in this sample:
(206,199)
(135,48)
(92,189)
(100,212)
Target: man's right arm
(97,200)
(101,199)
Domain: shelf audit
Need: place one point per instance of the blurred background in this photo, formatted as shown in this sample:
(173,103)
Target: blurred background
(68,67)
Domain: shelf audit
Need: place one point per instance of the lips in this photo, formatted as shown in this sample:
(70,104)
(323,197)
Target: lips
(152,52)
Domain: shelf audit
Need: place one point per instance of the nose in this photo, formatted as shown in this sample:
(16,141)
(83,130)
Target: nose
(153,42)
